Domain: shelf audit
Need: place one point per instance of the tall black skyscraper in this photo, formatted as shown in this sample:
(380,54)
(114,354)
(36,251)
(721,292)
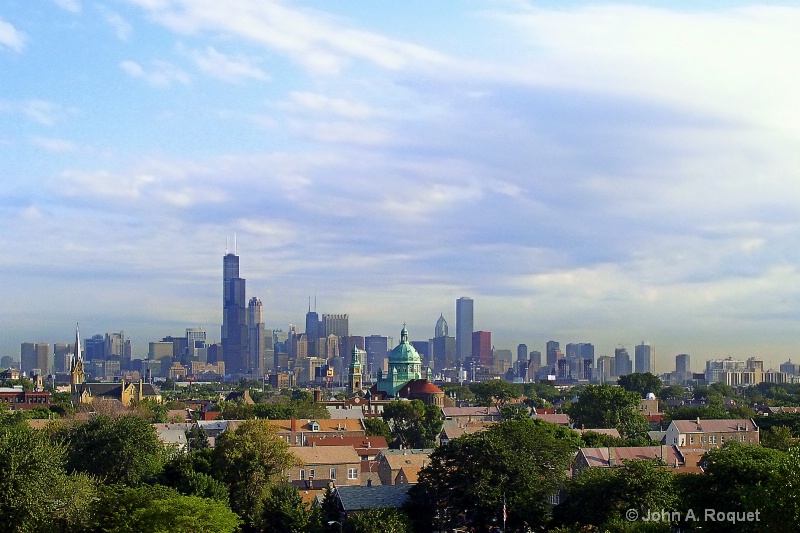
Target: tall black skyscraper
(234,317)
(464,328)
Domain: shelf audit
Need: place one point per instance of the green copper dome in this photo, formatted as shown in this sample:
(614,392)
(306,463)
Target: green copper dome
(404,352)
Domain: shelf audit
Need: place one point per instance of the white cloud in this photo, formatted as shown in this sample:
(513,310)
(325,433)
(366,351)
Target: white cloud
(317,102)
(316,41)
(51,144)
(161,73)
(122,28)
(73,6)
(225,67)
(10,37)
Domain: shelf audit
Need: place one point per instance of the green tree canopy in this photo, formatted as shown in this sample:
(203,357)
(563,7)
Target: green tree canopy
(413,424)
(605,406)
(641,383)
(382,520)
(122,450)
(494,392)
(518,460)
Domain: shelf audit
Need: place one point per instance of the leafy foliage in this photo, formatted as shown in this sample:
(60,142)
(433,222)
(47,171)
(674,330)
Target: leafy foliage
(641,383)
(413,424)
(604,406)
(378,521)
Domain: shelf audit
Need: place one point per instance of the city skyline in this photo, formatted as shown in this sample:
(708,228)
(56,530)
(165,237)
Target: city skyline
(585,172)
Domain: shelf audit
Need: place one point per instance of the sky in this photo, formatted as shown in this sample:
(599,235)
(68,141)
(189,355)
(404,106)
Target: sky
(595,172)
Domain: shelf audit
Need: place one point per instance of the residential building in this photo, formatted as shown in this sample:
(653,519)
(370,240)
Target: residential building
(391,461)
(686,460)
(710,434)
(338,464)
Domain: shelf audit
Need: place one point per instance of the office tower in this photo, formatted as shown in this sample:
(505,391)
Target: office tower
(553,353)
(645,358)
(441,327)
(622,362)
(377,348)
(196,345)
(716,368)
(234,317)
(604,370)
(535,357)
(159,356)
(114,345)
(338,325)
(312,331)
(443,352)
(35,356)
(346,345)
(683,367)
(522,352)
(62,356)
(464,328)
(482,347)
(95,348)
(256,338)
(789,368)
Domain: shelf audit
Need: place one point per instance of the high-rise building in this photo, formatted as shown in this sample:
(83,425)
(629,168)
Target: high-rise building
(553,353)
(338,325)
(535,357)
(464,328)
(683,367)
(622,362)
(377,348)
(645,358)
(95,348)
(605,368)
(256,338)
(312,331)
(582,350)
(62,356)
(234,317)
(522,352)
(482,347)
(441,327)
(35,356)
(443,352)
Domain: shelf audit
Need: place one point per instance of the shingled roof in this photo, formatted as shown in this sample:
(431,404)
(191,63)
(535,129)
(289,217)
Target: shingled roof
(357,498)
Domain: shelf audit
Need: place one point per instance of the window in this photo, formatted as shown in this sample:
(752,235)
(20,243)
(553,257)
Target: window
(352,473)
(743,438)
(712,439)
(311,474)
(691,439)
(302,474)
(333,473)
(297,439)
(702,438)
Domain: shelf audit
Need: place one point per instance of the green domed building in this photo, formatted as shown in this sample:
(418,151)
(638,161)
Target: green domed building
(405,365)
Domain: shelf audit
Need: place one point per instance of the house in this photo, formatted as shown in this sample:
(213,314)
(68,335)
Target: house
(338,464)
(367,448)
(408,475)
(611,432)
(354,499)
(556,418)
(451,429)
(172,437)
(465,415)
(684,460)
(391,461)
(296,432)
(240,397)
(709,434)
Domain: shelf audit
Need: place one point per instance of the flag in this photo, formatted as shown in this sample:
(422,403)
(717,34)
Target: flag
(505,514)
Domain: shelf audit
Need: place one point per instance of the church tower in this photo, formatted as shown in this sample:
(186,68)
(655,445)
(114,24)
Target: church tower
(354,372)
(76,373)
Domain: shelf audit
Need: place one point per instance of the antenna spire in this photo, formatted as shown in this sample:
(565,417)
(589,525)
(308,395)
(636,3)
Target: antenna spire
(234,244)
(226,245)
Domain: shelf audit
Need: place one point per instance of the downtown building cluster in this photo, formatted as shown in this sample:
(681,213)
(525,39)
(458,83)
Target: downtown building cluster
(321,351)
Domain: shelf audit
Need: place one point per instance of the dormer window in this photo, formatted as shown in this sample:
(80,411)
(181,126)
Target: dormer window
(314,426)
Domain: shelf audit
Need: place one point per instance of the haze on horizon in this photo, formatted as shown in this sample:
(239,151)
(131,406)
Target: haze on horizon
(585,171)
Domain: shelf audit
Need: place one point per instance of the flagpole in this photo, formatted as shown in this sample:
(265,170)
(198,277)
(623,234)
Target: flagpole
(504,512)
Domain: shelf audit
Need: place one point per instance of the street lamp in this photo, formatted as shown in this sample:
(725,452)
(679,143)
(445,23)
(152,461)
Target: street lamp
(331,522)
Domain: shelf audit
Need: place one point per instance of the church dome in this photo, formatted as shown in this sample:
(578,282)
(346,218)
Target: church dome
(404,352)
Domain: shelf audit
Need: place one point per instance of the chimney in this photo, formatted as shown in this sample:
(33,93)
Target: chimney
(317,395)
(293,424)
(612,457)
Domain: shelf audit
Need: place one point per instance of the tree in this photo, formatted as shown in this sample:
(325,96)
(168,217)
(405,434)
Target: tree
(778,438)
(158,509)
(494,392)
(123,450)
(641,383)
(604,406)
(514,411)
(413,424)
(518,461)
(601,496)
(250,460)
(382,520)
(377,427)
(285,512)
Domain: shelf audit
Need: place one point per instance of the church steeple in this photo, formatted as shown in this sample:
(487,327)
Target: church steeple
(76,373)
(354,371)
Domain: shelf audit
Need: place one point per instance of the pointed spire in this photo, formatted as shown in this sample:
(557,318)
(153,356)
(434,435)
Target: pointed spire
(235,251)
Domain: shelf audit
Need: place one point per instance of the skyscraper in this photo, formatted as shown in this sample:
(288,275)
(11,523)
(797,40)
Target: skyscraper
(622,362)
(553,353)
(644,358)
(683,367)
(441,327)
(35,356)
(482,347)
(256,338)
(522,352)
(464,328)
(338,325)
(234,317)
(312,330)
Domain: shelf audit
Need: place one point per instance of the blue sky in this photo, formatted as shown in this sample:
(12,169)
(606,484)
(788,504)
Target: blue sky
(585,171)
